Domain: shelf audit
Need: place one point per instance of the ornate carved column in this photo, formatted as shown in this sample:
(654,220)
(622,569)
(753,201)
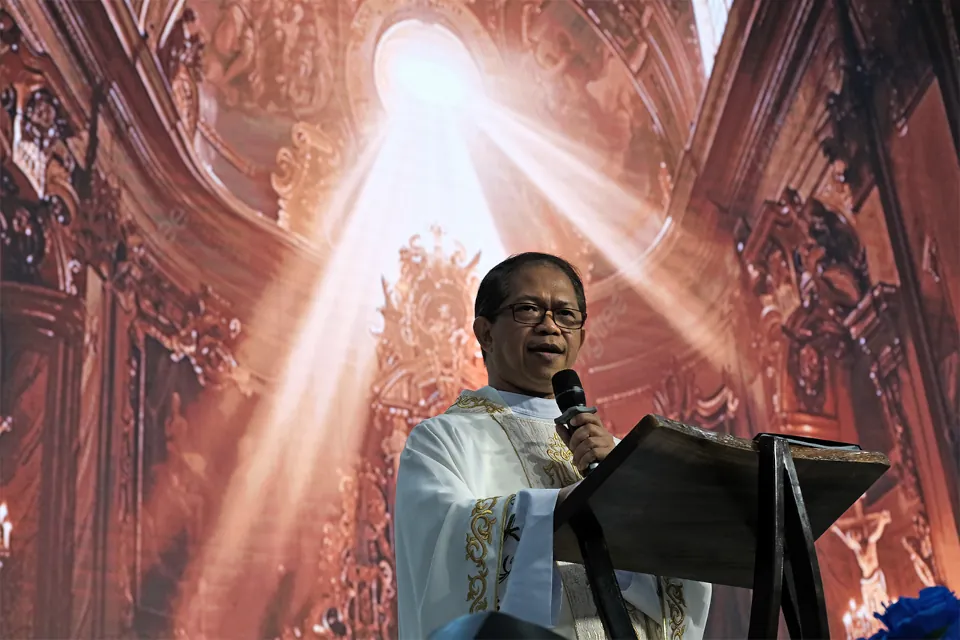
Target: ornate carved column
(877,326)
(41,343)
(42,336)
(880,85)
(808,270)
(155,536)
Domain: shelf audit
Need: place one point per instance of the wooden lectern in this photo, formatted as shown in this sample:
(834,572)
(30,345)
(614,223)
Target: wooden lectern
(674,500)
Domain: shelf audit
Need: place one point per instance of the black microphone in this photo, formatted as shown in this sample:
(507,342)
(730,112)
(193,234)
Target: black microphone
(572,401)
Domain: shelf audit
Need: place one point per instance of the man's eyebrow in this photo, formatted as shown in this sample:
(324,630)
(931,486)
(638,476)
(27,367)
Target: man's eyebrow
(562,303)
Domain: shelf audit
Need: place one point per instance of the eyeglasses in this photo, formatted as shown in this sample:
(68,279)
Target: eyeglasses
(533,314)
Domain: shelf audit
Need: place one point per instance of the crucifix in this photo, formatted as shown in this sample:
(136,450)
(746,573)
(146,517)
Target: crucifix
(861,532)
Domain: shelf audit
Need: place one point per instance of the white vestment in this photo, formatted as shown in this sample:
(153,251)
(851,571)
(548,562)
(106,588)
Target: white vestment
(476,490)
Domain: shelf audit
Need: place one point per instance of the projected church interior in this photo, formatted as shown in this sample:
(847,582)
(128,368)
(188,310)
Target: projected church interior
(240,242)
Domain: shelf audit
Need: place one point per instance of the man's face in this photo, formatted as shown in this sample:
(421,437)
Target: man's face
(523,358)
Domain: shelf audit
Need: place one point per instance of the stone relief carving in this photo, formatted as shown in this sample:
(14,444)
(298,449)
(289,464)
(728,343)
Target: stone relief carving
(28,233)
(679,398)
(873,327)
(307,175)
(273,56)
(37,180)
(808,269)
(182,58)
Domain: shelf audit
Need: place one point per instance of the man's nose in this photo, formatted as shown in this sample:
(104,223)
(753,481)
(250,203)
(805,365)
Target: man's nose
(548,325)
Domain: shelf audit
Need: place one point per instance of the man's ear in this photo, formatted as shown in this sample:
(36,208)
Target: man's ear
(482,329)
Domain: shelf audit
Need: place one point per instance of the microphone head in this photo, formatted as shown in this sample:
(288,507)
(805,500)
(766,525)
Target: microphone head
(568,390)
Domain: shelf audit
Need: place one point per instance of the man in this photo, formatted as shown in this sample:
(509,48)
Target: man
(477,486)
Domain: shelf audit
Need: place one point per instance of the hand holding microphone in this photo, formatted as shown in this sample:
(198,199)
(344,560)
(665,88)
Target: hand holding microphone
(578,426)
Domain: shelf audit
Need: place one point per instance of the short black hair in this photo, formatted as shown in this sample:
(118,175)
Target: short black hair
(495,286)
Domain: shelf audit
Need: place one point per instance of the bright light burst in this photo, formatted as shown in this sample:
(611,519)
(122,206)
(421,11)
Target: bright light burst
(419,173)
(419,64)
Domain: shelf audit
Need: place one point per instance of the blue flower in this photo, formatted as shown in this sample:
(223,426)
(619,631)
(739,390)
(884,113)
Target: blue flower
(934,614)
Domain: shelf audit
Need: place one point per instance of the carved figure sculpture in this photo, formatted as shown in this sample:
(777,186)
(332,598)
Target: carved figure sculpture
(861,533)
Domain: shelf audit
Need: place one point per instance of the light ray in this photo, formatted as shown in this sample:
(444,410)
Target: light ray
(603,211)
(421,175)
(319,413)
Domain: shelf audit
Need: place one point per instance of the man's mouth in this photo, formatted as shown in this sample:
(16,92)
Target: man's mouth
(546,349)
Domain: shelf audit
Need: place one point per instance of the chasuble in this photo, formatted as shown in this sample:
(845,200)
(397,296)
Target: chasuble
(476,490)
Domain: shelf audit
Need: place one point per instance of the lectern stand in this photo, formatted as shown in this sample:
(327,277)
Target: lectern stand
(673,500)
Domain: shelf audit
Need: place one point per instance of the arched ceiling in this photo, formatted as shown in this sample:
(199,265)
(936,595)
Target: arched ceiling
(622,80)
(623,77)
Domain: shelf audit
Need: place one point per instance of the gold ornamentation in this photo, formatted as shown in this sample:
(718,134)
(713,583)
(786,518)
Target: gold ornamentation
(675,611)
(475,404)
(424,360)
(481,529)
(560,468)
(307,175)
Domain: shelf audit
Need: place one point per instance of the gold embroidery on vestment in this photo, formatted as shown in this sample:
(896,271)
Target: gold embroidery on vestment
(676,619)
(478,540)
(472,403)
(560,469)
(505,523)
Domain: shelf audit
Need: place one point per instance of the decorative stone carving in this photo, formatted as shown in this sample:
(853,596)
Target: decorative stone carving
(207,338)
(920,549)
(40,132)
(272,56)
(191,325)
(873,327)
(427,332)
(37,180)
(679,398)
(834,191)
(841,140)
(426,355)
(182,59)
(307,176)
(102,232)
(35,126)
(27,230)
(184,47)
(807,267)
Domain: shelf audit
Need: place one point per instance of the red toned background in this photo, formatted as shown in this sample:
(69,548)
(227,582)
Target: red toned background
(241,239)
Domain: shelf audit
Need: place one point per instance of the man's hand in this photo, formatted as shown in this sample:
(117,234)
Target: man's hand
(589,441)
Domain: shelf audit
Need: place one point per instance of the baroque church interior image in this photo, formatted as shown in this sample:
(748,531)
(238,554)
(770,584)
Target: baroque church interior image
(240,243)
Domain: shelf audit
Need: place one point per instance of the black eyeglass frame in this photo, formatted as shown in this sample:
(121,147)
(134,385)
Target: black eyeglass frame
(543,314)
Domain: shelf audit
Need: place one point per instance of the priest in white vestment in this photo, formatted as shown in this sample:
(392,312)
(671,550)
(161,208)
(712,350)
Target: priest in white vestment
(478,485)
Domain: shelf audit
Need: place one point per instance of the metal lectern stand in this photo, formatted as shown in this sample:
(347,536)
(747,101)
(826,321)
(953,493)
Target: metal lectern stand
(674,500)
(786,571)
